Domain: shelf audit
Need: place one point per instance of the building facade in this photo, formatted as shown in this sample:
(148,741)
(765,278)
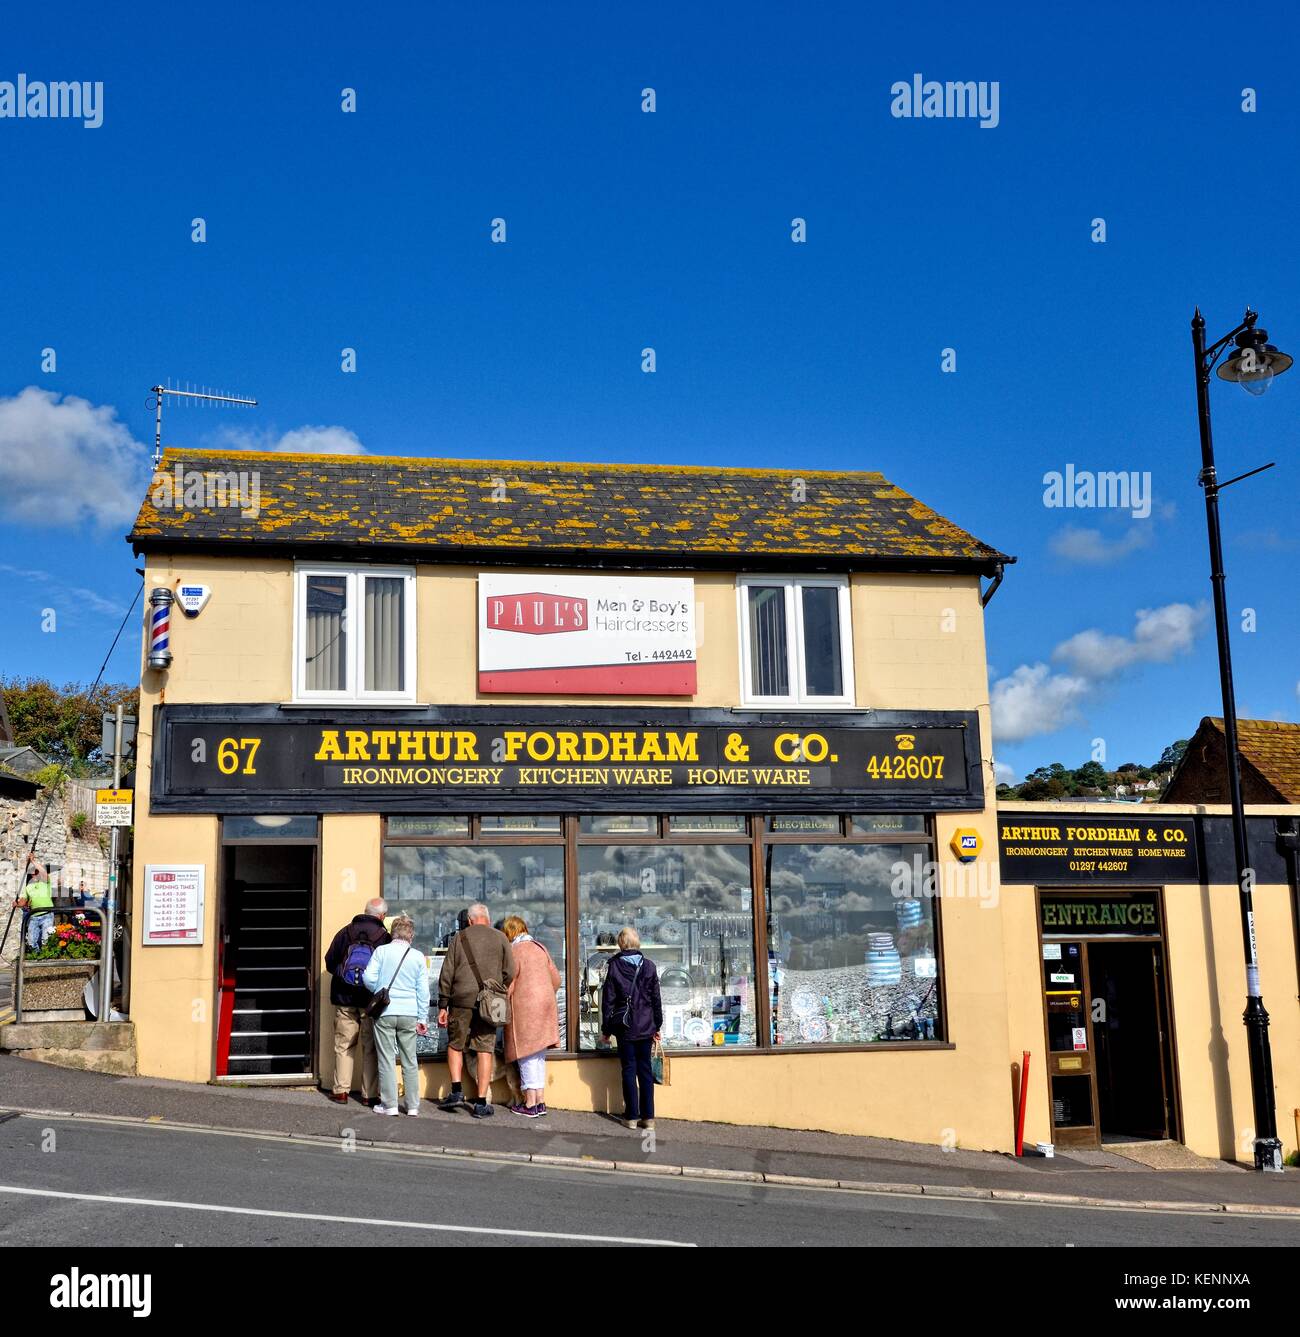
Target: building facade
(744,711)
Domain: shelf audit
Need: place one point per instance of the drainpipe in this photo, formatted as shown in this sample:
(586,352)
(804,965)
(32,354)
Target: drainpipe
(998,572)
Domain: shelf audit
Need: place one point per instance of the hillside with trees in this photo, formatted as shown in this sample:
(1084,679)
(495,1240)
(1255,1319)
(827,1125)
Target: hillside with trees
(1092,780)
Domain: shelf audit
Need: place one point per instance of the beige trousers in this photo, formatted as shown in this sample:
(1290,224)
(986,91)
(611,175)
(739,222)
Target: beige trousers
(351,1023)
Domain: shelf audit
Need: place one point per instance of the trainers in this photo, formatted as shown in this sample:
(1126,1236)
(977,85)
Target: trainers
(480,1109)
(630,1123)
(646,1123)
(413,1112)
(528,1111)
(379,1109)
(541,1111)
(455,1101)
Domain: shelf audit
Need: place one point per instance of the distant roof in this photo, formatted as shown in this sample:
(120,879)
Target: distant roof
(1270,755)
(589,514)
(15,786)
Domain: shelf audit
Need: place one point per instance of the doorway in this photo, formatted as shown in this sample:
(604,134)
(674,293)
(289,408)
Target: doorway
(265,1005)
(1129,1035)
(1106,1006)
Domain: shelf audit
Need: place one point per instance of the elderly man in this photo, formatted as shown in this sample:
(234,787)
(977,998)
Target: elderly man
(478,954)
(348,956)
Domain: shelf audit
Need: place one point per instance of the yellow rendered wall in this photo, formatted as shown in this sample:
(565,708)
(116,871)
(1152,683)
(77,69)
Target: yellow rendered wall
(173,989)
(1208,974)
(918,644)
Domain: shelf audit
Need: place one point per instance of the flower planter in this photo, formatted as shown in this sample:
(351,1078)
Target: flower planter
(50,986)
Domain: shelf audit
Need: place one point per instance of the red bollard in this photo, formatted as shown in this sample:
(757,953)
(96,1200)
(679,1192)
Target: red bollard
(1024,1092)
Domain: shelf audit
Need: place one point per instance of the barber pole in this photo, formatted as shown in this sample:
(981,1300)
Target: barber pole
(160,619)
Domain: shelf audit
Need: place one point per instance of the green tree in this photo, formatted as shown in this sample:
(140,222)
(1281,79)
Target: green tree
(1173,754)
(63,723)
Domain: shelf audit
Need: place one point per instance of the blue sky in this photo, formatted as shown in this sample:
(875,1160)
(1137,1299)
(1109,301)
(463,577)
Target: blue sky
(370,230)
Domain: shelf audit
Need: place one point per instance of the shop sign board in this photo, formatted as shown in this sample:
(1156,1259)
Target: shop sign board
(233,759)
(1039,848)
(603,635)
(173,905)
(1088,916)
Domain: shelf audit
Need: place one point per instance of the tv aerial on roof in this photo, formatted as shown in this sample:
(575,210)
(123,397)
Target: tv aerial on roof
(204,396)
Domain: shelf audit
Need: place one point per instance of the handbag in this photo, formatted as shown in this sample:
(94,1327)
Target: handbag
(493,1001)
(659,1065)
(378,1005)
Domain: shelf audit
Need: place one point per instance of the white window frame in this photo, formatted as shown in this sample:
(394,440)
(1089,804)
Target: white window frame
(353,692)
(799,697)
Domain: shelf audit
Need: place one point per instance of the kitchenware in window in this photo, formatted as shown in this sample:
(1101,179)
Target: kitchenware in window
(803,1003)
(884,965)
(908,913)
(814,1030)
(697,1031)
(675,985)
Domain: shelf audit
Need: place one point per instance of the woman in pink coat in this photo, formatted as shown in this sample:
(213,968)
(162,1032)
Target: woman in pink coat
(534,1019)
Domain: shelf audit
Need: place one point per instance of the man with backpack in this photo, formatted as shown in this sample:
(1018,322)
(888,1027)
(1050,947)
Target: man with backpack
(348,956)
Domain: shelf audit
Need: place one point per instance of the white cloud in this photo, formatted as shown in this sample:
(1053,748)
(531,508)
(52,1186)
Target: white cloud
(1090,547)
(299,441)
(1034,700)
(66,462)
(1159,635)
(77,593)
(1002,773)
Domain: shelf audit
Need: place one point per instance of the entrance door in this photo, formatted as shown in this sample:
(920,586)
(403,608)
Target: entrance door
(265,1022)
(1129,1033)
(1069,1046)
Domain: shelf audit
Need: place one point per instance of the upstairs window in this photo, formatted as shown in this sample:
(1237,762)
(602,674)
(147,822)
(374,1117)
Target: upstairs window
(795,641)
(354,634)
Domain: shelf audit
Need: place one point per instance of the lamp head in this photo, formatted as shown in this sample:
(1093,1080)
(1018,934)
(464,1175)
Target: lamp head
(1254,362)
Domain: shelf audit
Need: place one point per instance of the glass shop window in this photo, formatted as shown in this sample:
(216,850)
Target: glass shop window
(436,884)
(693,908)
(850,960)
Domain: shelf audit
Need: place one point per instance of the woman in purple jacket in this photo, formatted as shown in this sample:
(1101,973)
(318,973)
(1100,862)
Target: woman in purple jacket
(632,1013)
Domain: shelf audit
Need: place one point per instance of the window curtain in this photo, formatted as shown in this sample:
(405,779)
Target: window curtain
(326,634)
(769,662)
(385,634)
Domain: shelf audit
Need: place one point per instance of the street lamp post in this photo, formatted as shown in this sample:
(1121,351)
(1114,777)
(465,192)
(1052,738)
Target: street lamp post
(1252,364)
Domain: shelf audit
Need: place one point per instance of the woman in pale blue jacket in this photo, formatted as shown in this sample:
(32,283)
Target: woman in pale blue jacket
(401,969)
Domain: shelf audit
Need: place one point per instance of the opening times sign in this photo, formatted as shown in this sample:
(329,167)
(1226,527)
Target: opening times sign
(520,764)
(1041,848)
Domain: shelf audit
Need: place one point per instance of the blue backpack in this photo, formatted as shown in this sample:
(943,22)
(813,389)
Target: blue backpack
(355,963)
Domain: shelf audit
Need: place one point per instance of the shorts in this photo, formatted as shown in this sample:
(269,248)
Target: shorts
(467,1030)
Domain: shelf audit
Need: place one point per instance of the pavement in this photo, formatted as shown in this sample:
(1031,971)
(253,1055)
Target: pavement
(569,1140)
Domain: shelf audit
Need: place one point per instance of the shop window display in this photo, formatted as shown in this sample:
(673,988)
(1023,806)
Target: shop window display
(693,908)
(850,961)
(435,885)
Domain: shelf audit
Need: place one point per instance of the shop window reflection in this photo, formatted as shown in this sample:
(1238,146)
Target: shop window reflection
(435,885)
(693,908)
(849,961)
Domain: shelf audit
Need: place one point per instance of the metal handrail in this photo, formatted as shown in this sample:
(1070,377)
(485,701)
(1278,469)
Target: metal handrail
(66,910)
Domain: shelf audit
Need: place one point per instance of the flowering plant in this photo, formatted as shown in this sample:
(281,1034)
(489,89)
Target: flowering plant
(75,941)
